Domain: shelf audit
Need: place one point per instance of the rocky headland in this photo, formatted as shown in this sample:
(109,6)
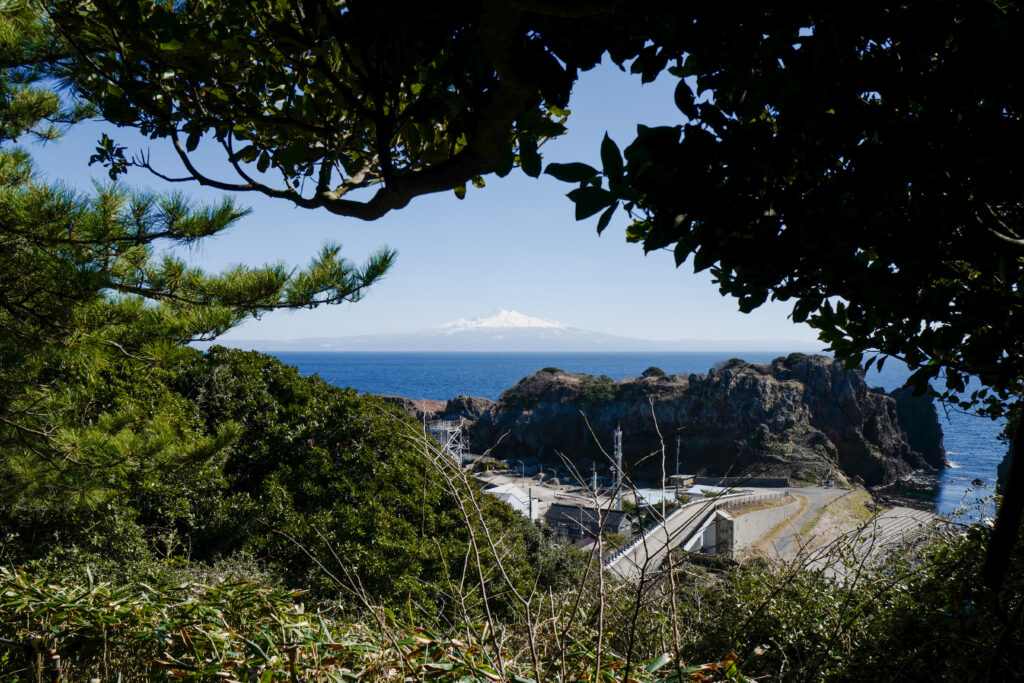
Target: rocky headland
(804,417)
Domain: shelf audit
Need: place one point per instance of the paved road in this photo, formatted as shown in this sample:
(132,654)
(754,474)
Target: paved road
(648,555)
(788,540)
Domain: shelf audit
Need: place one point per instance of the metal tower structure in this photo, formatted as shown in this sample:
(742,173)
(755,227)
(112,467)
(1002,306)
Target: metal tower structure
(448,433)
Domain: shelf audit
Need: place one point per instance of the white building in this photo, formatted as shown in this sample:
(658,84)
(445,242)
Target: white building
(654,497)
(520,500)
(703,491)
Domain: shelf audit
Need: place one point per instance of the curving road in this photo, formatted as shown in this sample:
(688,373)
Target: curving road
(647,556)
(788,540)
(885,533)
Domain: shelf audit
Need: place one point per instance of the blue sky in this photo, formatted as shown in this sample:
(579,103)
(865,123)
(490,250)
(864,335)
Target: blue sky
(513,244)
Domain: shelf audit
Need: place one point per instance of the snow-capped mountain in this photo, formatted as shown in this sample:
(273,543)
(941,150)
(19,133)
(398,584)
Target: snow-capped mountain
(499,319)
(512,331)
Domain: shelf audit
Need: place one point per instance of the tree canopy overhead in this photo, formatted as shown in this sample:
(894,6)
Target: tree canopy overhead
(90,285)
(315,100)
(860,160)
(831,156)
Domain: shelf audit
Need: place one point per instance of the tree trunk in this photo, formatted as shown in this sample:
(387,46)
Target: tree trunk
(1004,535)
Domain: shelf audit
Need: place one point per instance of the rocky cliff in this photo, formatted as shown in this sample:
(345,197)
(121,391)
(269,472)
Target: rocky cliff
(802,416)
(421,409)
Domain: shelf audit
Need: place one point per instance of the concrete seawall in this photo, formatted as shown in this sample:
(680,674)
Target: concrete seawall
(744,530)
(766,482)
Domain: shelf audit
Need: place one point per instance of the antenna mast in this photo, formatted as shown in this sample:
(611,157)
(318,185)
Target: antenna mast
(618,468)
(677,454)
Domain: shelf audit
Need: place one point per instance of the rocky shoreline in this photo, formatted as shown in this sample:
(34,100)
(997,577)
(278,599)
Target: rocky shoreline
(804,417)
(916,490)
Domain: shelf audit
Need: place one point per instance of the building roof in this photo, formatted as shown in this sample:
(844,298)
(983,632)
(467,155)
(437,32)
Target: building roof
(584,516)
(504,491)
(653,497)
(514,496)
(704,490)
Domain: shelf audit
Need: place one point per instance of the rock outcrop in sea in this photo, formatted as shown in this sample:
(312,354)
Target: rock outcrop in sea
(804,417)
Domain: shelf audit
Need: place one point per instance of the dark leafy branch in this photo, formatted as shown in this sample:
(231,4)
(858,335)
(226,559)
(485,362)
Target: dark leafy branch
(343,95)
(862,163)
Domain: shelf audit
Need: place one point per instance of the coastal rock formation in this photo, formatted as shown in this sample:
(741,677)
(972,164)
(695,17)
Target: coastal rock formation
(917,417)
(470,408)
(422,409)
(804,417)
(1003,470)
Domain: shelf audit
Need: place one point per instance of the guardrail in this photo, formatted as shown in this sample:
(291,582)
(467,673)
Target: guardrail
(716,503)
(754,498)
(640,539)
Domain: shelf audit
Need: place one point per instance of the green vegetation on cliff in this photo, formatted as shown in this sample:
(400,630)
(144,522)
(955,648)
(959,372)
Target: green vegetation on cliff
(187,516)
(312,481)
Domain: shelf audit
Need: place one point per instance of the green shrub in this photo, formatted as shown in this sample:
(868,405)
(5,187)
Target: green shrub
(731,363)
(175,624)
(597,389)
(653,371)
(311,475)
(614,541)
(321,471)
(922,611)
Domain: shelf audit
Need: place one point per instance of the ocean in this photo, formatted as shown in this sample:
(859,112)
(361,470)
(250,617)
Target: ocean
(972,444)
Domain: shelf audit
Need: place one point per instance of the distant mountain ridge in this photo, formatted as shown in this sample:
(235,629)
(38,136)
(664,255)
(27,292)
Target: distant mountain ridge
(499,319)
(511,331)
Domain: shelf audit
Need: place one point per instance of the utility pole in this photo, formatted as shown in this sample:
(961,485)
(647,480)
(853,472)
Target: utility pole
(618,468)
(677,460)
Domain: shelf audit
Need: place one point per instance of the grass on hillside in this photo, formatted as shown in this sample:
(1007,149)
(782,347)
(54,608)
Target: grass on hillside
(849,511)
(920,615)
